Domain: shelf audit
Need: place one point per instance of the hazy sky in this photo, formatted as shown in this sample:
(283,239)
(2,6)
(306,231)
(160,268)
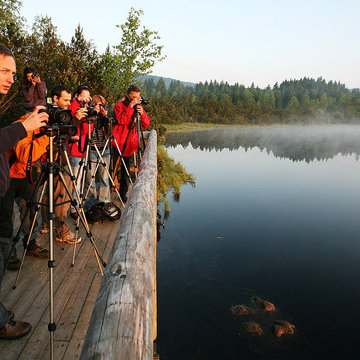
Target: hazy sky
(232,40)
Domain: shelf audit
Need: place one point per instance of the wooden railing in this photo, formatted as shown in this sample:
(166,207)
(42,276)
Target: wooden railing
(123,323)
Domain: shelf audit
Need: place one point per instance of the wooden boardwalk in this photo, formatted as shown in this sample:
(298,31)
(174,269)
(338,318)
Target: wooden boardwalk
(75,289)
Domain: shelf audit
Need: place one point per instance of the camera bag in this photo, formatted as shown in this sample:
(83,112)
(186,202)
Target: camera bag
(101,212)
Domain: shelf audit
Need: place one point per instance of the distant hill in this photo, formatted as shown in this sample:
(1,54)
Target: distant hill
(166,80)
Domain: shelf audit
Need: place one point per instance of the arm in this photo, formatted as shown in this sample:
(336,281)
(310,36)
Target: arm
(10,135)
(123,114)
(28,93)
(145,120)
(41,90)
(22,149)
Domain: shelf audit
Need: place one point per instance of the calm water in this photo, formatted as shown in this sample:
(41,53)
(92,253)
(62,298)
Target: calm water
(275,213)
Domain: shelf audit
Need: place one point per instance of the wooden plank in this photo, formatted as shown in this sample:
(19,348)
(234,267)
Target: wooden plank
(73,350)
(121,326)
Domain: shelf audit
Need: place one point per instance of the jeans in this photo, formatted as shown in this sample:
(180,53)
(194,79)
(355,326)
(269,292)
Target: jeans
(4,315)
(20,190)
(101,190)
(75,166)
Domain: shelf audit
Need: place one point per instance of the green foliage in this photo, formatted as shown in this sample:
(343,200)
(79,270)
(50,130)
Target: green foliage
(136,54)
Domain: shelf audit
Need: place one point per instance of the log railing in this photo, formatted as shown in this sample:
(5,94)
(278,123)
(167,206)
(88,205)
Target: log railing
(123,323)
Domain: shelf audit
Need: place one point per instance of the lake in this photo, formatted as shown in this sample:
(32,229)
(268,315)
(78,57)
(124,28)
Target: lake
(275,213)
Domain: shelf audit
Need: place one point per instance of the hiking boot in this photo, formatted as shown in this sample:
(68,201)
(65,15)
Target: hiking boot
(13,264)
(69,237)
(14,330)
(37,251)
(44,228)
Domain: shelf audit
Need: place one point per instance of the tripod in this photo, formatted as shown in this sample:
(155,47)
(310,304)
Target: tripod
(87,169)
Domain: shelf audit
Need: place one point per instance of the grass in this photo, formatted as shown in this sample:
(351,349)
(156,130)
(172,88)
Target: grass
(192,126)
(170,174)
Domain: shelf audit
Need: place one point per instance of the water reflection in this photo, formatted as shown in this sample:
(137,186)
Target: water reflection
(258,224)
(295,143)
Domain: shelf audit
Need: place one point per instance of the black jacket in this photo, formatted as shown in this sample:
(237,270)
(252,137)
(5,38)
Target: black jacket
(9,136)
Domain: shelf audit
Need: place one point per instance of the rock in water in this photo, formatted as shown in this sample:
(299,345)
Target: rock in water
(282,327)
(253,328)
(263,304)
(242,310)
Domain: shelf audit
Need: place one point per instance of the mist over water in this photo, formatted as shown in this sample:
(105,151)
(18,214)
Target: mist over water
(275,213)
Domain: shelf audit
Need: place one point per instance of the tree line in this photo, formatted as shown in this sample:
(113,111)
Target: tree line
(79,62)
(303,101)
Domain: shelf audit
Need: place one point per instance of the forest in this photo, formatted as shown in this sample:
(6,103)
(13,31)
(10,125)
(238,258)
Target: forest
(292,101)
(78,62)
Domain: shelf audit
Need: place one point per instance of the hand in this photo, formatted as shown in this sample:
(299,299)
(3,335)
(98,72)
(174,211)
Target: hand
(140,110)
(74,138)
(135,101)
(36,120)
(81,113)
(103,111)
(37,79)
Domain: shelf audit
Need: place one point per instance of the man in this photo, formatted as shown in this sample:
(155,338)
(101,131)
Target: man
(78,106)
(10,329)
(125,134)
(34,90)
(61,97)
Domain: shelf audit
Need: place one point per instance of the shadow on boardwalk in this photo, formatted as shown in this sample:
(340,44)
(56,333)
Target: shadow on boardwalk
(75,289)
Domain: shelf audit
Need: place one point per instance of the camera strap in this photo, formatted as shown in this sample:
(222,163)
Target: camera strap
(29,164)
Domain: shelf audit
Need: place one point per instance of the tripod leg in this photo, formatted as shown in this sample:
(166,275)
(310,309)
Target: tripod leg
(81,214)
(122,159)
(29,236)
(107,171)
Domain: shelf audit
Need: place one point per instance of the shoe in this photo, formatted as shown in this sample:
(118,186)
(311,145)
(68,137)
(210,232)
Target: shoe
(44,228)
(13,264)
(14,330)
(37,251)
(69,238)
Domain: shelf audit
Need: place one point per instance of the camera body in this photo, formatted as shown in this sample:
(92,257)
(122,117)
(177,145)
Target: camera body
(34,75)
(144,101)
(60,120)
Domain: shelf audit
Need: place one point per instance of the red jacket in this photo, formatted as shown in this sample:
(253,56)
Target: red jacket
(123,115)
(77,148)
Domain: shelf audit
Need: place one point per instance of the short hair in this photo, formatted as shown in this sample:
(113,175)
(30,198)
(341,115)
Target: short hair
(28,70)
(97,99)
(57,91)
(134,88)
(80,89)
(4,51)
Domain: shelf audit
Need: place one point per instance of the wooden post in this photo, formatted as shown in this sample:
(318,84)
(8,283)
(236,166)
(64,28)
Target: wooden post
(122,324)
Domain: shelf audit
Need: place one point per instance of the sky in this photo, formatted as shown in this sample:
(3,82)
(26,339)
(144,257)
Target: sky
(237,41)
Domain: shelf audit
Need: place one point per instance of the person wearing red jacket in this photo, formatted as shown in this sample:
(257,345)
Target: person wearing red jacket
(126,135)
(78,108)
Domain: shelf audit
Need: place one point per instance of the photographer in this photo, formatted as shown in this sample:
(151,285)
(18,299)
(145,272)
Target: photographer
(61,98)
(99,135)
(125,130)
(78,108)
(34,90)
(9,136)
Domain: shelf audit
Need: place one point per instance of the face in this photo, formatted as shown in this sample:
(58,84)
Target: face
(7,73)
(29,76)
(134,95)
(84,96)
(63,102)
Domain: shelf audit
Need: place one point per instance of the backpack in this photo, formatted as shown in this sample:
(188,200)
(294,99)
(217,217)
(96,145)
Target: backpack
(101,212)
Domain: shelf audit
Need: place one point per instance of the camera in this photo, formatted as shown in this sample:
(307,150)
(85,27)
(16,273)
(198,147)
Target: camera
(34,75)
(60,120)
(144,101)
(91,112)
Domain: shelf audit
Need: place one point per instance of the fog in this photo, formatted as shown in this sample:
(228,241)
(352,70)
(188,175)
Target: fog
(297,143)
